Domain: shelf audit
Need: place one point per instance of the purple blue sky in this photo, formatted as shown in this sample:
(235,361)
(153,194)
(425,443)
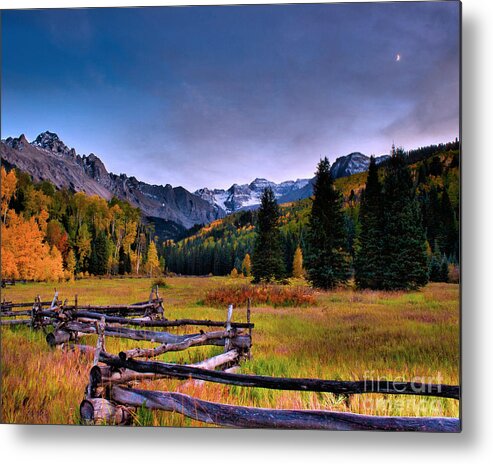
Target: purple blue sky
(209,96)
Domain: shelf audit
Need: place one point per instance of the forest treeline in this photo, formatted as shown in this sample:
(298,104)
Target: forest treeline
(221,247)
(50,234)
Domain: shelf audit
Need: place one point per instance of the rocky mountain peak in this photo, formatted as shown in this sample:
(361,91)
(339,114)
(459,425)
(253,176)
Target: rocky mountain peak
(50,141)
(260,184)
(17,143)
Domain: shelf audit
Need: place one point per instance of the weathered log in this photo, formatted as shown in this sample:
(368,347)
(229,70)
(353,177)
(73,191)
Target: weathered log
(83,349)
(157,337)
(232,369)
(15,313)
(23,305)
(218,361)
(105,308)
(227,344)
(58,337)
(246,417)
(195,340)
(100,411)
(16,322)
(104,375)
(161,323)
(280,383)
(62,336)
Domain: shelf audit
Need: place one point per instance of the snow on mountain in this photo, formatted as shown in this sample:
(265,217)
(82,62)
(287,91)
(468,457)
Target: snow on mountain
(247,195)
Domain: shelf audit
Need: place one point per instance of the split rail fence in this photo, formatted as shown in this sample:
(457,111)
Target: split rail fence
(111,396)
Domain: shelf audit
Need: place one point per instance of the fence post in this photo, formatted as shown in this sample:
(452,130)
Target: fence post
(55,300)
(227,344)
(249,354)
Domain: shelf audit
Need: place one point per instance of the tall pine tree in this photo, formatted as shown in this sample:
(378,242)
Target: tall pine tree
(368,261)
(268,256)
(405,262)
(326,258)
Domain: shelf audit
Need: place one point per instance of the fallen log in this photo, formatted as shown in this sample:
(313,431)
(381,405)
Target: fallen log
(246,417)
(199,339)
(279,383)
(100,411)
(58,337)
(63,336)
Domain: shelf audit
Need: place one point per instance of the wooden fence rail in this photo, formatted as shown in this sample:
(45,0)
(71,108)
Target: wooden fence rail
(283,383)
(248,417)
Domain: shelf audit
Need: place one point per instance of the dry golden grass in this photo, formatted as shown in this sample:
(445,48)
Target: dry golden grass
(345,334)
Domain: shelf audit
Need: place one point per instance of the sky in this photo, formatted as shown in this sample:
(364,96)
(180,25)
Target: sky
(211,96)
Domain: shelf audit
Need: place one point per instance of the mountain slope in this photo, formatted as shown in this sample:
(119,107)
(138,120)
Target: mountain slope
(48,158)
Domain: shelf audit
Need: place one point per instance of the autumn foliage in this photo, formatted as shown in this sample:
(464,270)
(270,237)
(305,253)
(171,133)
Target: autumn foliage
(25,252)
(275,295)
(50,233)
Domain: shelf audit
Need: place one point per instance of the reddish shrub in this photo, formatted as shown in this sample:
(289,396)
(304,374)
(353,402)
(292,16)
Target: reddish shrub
(274,295)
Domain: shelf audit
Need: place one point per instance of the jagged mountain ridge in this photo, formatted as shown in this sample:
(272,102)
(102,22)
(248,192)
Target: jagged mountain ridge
(48,158)
(247,196)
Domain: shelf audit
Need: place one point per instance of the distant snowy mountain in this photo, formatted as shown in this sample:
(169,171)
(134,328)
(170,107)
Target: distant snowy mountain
(353,163)
(247,195)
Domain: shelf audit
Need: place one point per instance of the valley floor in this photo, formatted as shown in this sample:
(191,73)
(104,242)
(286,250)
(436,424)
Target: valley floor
(347,335)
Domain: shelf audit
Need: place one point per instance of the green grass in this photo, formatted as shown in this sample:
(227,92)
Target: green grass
(346,335)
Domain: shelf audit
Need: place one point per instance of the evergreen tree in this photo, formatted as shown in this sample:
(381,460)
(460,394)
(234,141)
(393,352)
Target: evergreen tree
(267,259)
(368,261)
(435,266)
(298,263)
(99,255)
(444,270)
(449,233)
(405,263)
(326,259)
(121,261)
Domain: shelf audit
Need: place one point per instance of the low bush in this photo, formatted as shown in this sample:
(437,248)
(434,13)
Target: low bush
(274,295)
(160,282)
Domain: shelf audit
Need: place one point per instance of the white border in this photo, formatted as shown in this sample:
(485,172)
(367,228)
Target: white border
(39,444)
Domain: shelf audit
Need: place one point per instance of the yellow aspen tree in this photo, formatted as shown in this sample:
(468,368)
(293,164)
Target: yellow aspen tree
(70,264)
(298,263)
(152,258)
(9,184)
(246,266)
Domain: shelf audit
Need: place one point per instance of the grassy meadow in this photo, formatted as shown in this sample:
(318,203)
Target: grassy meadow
(343,334)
